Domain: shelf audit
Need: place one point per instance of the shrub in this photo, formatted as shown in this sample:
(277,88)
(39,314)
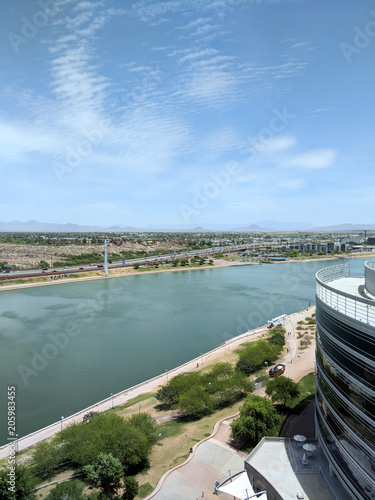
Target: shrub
(107,433)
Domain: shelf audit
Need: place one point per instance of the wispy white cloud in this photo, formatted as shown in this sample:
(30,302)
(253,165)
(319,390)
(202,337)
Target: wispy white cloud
(22,138)
(314,159)
(197,55)
(278,143)
(322,110)
(219,141)
(293,184)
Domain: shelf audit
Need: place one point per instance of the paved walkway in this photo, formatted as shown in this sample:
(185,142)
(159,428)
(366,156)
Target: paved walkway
(211,460)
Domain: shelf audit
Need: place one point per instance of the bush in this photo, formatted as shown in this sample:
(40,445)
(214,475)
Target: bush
(107,433)
(24,483)
(72,490)
(305,343)
(277,339)
(131,488)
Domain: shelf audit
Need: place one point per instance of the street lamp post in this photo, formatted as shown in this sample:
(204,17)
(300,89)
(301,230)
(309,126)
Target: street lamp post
(166,371)
(112,398)
(16,443)
(140,406)
(62,418)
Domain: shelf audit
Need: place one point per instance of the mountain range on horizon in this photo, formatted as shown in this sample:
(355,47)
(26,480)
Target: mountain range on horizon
(262,226)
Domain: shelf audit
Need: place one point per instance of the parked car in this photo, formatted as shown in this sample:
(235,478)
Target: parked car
(276,370)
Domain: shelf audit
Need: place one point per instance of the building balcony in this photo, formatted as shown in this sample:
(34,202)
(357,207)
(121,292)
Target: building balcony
(353,297)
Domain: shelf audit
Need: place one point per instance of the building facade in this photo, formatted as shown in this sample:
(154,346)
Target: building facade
(345,376)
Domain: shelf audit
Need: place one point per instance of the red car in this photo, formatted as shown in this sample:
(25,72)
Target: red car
(276,370)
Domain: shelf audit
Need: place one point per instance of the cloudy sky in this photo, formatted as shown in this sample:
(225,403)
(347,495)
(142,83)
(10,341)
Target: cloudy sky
(187,112)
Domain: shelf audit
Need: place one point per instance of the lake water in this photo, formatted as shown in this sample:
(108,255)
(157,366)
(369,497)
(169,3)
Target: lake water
(68,346)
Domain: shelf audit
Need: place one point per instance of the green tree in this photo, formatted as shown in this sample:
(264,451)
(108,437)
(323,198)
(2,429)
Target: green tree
(42,264)
(106,433)
(168,396)
(46,458)
(19,487)
(222,371)
(277,339)
(258,418)
(259,352)
(245,366)
(281,389)
(146,424)
(136,265)
(105,474)
(195,402)
(185,381)
(131,488)
(72,490)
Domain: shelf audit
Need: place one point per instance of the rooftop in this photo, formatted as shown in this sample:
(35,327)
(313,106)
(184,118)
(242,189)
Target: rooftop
(349,285)
(280,462)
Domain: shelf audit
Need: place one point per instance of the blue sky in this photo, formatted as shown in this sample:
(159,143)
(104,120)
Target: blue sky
(185,112)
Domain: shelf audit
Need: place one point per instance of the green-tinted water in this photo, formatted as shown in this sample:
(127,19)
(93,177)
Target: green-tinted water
(68,346)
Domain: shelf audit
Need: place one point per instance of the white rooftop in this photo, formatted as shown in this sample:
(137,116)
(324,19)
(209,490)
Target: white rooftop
(348,285)
(271,458)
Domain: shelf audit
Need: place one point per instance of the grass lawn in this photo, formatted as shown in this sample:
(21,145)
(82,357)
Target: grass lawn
(21,281)
(307,394)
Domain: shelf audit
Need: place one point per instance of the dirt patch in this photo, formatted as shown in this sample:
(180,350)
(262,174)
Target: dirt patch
(29,256)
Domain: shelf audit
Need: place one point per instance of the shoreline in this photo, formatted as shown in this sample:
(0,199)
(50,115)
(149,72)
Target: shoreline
(218,264)
(119,274)
(125,395)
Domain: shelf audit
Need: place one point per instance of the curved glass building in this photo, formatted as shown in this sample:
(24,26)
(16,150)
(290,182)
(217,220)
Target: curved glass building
(345,376)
